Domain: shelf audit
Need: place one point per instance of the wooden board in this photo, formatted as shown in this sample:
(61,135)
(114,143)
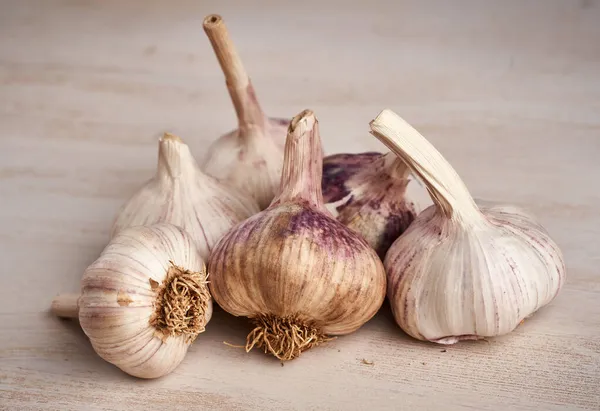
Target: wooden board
(508,91)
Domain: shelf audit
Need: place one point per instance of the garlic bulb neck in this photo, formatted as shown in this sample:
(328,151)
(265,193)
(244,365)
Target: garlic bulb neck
(303,168)
(181,303)
(175,159)
(447,190)
(240,88)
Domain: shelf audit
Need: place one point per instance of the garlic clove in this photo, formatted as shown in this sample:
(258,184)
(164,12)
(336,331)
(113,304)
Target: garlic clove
(144,300)
(299,274)
(182,194)
(463,271)
(249,158)
(367,193)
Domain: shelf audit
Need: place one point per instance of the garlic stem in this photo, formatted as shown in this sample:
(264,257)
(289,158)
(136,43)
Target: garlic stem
(66,306)
(303,163)
(240,88)
(447,190)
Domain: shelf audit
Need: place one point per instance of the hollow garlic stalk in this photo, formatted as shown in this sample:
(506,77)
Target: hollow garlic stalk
(182,194)
(299,274)
(250,158)
(367,193)
(461,271)
(143,301)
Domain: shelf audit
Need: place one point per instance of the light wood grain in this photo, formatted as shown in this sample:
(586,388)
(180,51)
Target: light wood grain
(508,91)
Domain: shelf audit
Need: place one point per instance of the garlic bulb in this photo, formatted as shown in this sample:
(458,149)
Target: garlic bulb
(250,158)
(181,194)
(461,271)
(367,193)
(299,274)
(144,300)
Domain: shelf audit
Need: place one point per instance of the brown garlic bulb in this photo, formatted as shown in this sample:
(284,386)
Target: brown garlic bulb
(299,274)
(249,158)
(367,193)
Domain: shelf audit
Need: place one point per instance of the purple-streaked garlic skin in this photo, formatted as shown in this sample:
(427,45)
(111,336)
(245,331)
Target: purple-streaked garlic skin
(339,168)
(294,260)
(367,193)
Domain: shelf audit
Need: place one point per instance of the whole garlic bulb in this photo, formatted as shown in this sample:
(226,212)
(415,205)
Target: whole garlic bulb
(299,274)
(367,193)
(181,194)
(461,271)
(144,300)
(249,158)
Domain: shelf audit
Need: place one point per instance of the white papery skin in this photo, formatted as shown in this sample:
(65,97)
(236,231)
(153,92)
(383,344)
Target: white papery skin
(117,300)
(251,162)
(183,195)
(461,271)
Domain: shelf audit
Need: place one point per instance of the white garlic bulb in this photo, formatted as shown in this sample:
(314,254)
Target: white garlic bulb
(249,158)
(461,271)
(144,300)
(181,194)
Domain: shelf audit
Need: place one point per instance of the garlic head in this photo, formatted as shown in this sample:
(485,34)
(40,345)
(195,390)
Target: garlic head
(182,194)
(299,274)
(463,271)
(144,300)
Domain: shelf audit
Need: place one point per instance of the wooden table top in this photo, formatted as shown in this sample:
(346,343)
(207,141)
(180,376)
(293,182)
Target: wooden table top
(508,91)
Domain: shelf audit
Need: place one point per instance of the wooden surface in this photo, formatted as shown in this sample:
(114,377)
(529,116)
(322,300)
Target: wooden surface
(508,91)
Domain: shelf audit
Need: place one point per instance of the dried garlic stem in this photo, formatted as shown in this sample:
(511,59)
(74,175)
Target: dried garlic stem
(239,85)
(66,306)
(301,178)
(443,183)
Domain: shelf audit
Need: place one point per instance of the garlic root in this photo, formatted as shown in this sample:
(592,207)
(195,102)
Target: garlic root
(249,158)
(463,271)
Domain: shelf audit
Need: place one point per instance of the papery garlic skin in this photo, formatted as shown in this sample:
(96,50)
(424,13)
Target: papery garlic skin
(450,284)
(367,193)
(249,158)
(252,163)
(119,299)
(461,271)
(183,195)
(297,272)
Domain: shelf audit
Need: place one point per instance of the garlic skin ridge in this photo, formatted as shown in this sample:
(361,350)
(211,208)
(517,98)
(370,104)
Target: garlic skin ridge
(367,192)
(463,271)
(182,194)
(128,307)
(295,271)
(250,158)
